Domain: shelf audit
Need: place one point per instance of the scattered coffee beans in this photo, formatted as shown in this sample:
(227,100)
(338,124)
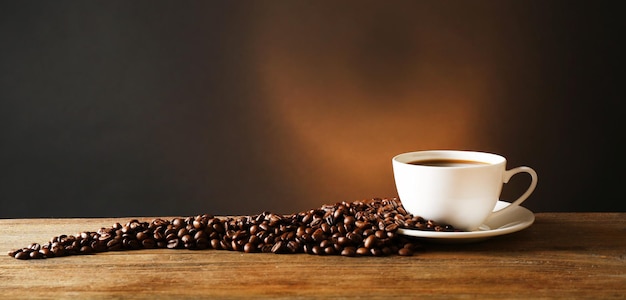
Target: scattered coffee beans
(359,228)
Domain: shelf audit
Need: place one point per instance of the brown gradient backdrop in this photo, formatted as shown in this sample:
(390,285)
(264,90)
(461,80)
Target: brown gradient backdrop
(121,109)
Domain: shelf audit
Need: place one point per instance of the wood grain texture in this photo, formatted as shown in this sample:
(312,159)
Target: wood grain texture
(562,255)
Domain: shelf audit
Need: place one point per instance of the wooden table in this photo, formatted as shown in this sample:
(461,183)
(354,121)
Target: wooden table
(562,255)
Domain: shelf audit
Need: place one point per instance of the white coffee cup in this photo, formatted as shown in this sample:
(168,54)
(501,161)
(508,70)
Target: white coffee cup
(455,187)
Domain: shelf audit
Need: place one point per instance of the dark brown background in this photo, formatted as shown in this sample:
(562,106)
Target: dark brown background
(180,108)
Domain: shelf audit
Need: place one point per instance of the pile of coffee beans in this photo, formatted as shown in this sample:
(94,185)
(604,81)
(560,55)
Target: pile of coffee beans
(359,228)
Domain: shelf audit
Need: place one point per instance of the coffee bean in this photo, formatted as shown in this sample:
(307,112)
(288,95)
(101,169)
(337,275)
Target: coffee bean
(376,251)
(85,250)
(348,251)
(278,247)
(171,236)
(225,245)
(187,239)
(169,230)
(249,248)
(141,236)
(216,244)
(293,246)
(131,244)
(182,232)
(112,245)
(218,227)
(326,228)
(198,224)
(46,252)
(178,223)
(358,228)
(148,243)
(22,255)
(363,251)
(362,224)
(318,235)
(343,241)
(355,237)
(317,250)
(173,243)
(370,242)
(405,252)
(349,220)
(391,227)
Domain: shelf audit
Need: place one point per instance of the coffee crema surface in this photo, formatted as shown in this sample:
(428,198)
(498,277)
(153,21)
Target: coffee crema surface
(447,162)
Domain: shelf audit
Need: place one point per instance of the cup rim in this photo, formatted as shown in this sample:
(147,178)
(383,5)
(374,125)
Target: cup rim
(486,157)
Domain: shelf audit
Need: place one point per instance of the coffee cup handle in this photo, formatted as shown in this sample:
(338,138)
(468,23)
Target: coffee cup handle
(507,176)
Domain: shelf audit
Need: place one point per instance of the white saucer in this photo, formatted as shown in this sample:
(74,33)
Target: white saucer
(515,220)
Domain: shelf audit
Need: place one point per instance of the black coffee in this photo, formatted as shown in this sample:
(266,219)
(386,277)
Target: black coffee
(446,162)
